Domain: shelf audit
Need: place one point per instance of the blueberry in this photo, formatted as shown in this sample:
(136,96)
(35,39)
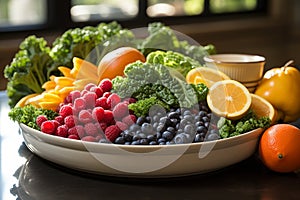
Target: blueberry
(198,138)
(161,128)
(167,135)
(119,140)
(136,137)
(171,129)
(202,113)
(181,138)
(205,119)
(151,137)
(147,128)
(173,115)
(187,112)
(135,142)
(189,129)
(189,118)
(140,120)
(201,129)
(134,127)
(161,140)
(142,135)
(152,143)
(212,136)
(144,141)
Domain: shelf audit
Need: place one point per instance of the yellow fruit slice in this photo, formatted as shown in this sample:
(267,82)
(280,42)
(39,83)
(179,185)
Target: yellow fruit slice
(24,101)
(229,99)
(205,75)
(262,108)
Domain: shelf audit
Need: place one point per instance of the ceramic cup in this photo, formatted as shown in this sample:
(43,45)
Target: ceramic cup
(245,68)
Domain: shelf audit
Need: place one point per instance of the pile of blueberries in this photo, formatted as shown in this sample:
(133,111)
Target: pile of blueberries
(178,126)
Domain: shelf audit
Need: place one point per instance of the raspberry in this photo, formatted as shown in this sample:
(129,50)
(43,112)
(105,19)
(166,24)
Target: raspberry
(77,130)
(102,126)
(113,100)
(89,86)
(48,127)
(72,96)
(89,138)
(65,110)
(102,102)
(40,119)
(97,90)
(56,123)
(112,132)
(74,137)
(83,92)
(70,121)
(121,125)
(105,85)
(108,116)
(90,99)
(62,131)
(79,104)
(129,100)
(90,129)
(85,116)
(120,110)
(60,119)
(98,114)
(129,119)
(106,94)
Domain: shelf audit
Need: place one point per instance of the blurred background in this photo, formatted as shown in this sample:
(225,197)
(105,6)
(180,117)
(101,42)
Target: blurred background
(265,27)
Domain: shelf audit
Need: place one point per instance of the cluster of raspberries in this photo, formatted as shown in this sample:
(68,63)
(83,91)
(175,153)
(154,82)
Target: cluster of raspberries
(93,114)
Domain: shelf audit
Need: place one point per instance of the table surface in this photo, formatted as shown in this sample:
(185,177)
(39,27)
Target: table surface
(27,176)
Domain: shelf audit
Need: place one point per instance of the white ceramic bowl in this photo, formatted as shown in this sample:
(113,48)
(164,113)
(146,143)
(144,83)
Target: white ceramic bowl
(141,161)
(147,161)
(245,68)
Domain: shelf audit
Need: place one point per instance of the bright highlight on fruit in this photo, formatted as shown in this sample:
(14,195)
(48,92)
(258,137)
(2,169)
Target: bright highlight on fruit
(205,75)
(229,99)
(279,148)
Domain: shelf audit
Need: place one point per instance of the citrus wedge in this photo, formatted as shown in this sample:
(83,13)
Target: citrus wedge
(205,75)
(229,99)
(262,108)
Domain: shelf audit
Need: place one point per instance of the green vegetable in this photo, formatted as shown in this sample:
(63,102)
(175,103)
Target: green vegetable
(90,43)
(163,38)
(228,128)
(140,76)
(28,70)
(201,91)
(142,107)
(27,115)
(178,61)
(158,91)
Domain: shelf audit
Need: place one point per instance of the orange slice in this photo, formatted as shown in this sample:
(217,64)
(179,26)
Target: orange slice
(205,75)
(229,99)
(262,108)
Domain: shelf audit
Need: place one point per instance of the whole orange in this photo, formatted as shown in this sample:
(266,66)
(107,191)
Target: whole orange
(279,148)
(114,62)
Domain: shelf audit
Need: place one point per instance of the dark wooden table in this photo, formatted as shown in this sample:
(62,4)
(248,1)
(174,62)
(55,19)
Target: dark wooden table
(27,176)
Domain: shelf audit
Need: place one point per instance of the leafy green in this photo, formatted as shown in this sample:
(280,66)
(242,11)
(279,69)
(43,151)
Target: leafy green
(28,70)
(142,107)
(27,115)
(201,91)
(228,128)
(154,80)
(178,61)
(89,43)
(163,38)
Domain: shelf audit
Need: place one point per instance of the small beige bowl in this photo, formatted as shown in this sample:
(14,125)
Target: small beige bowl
(245,68)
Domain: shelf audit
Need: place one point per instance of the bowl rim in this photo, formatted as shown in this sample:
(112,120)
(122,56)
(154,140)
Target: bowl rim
(215,58)
(109,148)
